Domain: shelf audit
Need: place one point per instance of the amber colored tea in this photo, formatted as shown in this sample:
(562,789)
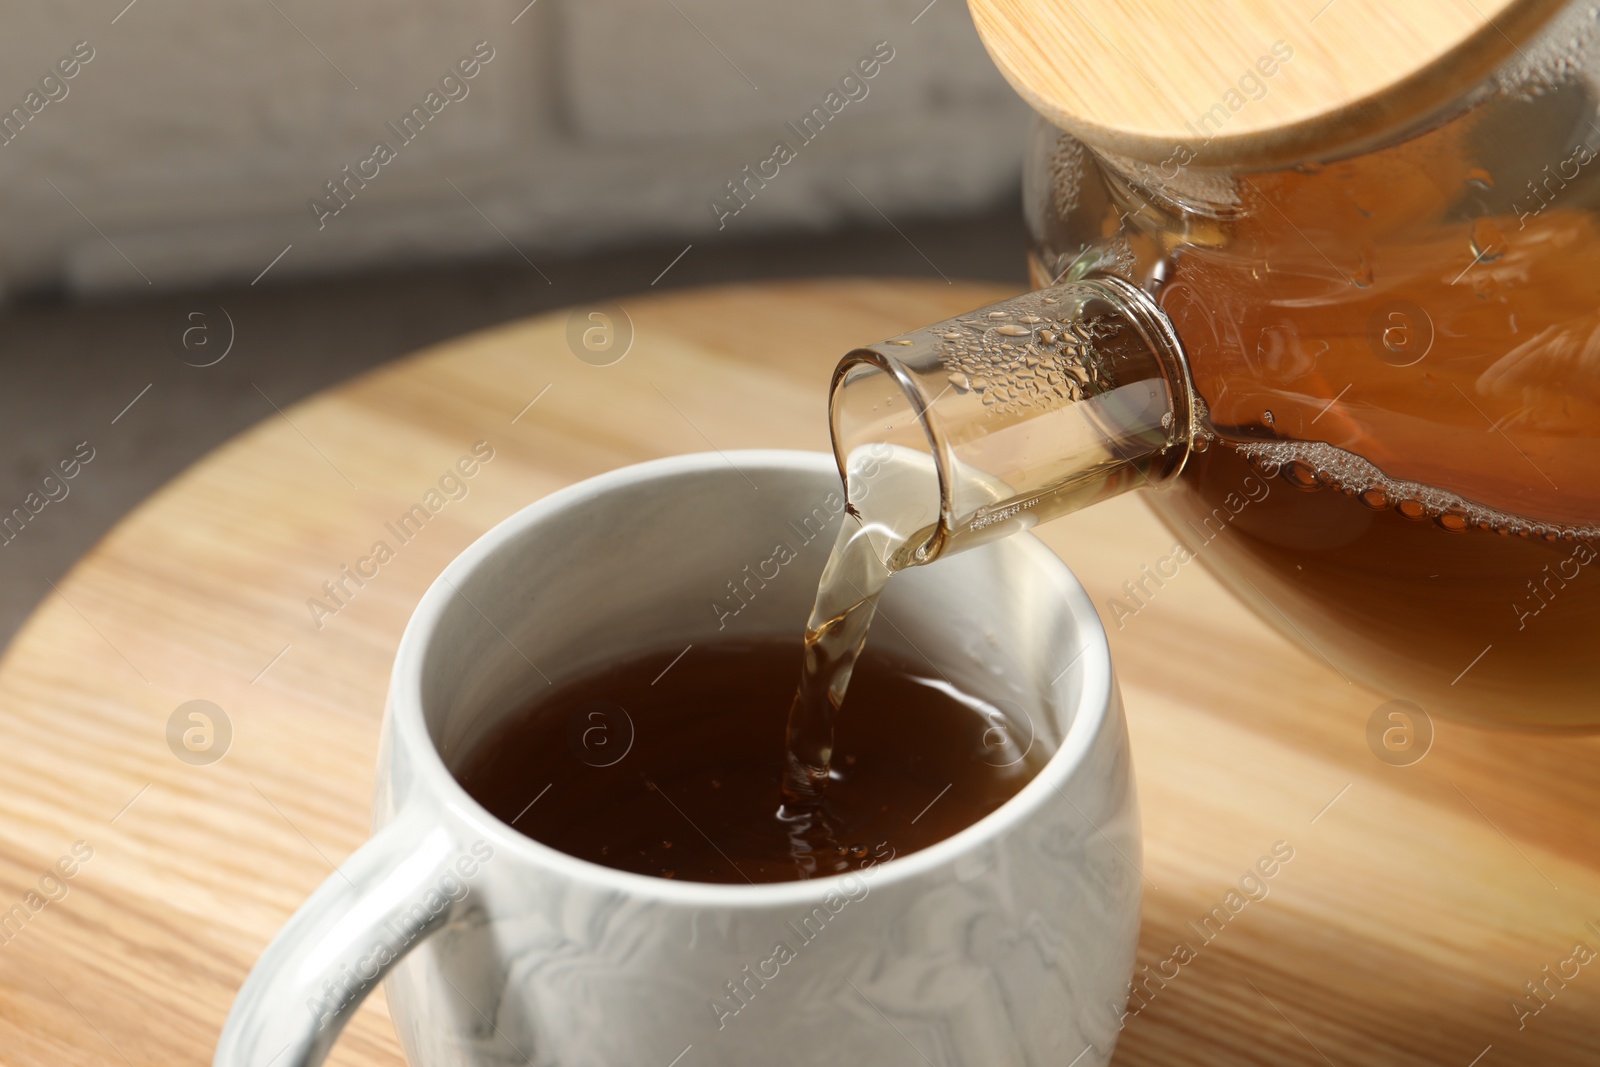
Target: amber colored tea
(1404,346)
(1435,423)
(678,774)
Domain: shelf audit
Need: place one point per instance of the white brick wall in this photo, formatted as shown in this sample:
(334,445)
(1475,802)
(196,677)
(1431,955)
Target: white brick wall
(198,134)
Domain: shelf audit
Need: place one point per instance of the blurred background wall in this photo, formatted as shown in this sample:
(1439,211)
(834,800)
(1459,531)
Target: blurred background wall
(188,149)
(160,159)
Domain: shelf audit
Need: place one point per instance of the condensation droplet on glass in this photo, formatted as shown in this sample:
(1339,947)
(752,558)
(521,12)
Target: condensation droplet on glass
(1364,274)
(1375,498)
(1266,417)
(1300,474)
(1487,242)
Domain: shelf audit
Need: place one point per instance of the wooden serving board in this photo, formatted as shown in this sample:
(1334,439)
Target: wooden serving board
(1417,903)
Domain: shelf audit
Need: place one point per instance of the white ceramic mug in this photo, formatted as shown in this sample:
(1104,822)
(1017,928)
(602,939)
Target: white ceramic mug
(1009,943)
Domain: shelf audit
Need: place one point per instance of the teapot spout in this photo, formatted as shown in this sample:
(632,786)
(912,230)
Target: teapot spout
(1012,415)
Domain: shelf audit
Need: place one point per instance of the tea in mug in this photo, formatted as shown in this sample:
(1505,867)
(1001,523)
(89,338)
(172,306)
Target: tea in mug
(675,768)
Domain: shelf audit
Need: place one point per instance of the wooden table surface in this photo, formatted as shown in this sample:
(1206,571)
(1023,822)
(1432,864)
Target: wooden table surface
(1418,902)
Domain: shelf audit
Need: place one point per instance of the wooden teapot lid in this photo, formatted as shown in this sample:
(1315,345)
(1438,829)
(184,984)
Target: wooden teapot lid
(1294,79)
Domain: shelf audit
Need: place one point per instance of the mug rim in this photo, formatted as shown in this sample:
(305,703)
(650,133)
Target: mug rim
(406,718)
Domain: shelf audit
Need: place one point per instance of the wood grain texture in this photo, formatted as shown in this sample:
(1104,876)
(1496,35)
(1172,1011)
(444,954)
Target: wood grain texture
(1248,83)
(1413,911)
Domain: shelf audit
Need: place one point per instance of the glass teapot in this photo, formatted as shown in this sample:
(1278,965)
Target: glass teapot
(1363,379)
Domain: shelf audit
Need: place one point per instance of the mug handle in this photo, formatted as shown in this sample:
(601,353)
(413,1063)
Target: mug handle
(373,909)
